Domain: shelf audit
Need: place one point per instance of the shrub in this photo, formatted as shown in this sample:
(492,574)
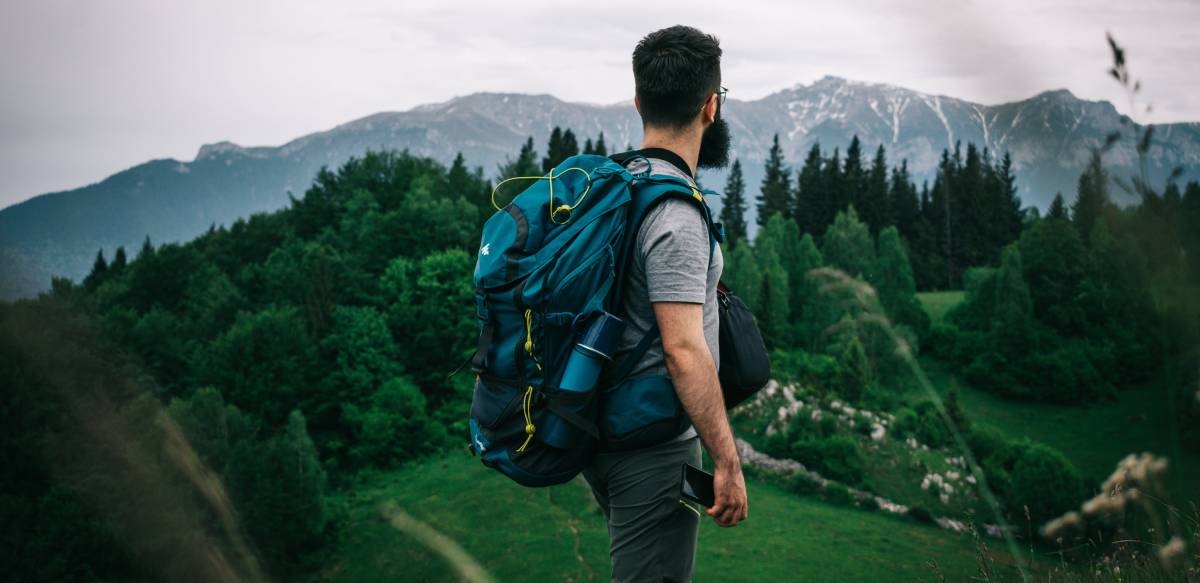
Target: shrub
(802,483)
(838,495)
(1046,482)
(921,514)
(837,457)
(985,441)
(804,368)
(905,423)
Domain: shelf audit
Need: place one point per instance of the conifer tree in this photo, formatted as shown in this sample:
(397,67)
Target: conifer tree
(570,146)
(847,245)
(524,165)
(733,205)
(875,208)
(1189,229)
(906,207)
(742,274)
(776,192)
(810,308)
(773,307)
(854,371)
(562,145)
(119,261)
(600,149)
(1058,209)
(1092,201)
(809,196)
(855,176)
(99,270)
(833,193)
(587,147)
(895,285)
(554,148)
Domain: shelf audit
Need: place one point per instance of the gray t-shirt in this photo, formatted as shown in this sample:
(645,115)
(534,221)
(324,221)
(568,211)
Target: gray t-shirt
(670,263)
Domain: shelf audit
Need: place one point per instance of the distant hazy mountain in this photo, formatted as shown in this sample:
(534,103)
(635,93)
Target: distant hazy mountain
(1049,136)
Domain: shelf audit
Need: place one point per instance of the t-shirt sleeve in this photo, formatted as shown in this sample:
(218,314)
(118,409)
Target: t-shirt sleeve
(674,246)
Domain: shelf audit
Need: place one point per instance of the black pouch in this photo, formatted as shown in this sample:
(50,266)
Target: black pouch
(745,365)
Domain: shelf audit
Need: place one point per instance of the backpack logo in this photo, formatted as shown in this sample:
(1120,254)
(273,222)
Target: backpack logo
(484,250)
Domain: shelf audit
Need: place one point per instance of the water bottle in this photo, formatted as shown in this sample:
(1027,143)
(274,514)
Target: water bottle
(592,351)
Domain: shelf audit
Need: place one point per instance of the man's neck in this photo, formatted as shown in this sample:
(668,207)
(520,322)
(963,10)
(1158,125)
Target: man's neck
(685,144)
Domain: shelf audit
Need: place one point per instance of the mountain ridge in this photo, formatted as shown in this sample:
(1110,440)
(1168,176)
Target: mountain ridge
(1049,135)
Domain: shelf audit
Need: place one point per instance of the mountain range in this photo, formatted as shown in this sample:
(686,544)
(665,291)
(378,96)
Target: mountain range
(1049,136)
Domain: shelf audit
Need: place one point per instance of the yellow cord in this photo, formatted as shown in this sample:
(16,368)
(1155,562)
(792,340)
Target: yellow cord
(526,403)
(551,176)
(529,337)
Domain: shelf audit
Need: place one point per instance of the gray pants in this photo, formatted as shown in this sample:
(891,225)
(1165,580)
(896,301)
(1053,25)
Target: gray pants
(653,534)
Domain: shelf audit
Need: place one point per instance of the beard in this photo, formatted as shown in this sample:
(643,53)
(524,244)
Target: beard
(714,144)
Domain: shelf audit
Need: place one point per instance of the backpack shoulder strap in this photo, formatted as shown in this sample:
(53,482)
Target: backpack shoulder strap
(648,192)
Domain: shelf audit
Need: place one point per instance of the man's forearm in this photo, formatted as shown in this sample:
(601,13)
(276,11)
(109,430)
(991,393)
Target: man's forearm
(695,378)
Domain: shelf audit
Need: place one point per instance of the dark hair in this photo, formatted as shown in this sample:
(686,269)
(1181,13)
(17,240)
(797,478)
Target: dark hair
(674,71)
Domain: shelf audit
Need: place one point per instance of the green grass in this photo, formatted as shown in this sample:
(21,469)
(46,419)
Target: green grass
(937,304)
(1095,437)
(521,534)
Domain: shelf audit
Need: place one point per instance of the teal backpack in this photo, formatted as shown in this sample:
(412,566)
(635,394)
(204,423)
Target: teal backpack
(548,289)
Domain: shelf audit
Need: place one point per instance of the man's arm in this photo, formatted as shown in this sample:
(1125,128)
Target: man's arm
(694,375)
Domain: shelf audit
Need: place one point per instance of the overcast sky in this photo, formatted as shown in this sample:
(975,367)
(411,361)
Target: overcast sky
(93,87)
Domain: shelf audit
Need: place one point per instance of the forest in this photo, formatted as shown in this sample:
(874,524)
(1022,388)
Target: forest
(225,397)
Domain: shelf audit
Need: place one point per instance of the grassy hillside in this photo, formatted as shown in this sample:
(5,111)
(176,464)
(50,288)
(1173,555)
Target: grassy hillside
(558,534)
(937,304)
(1095,437)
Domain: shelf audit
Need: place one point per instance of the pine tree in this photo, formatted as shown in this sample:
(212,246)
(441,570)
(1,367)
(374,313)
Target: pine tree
(833,193)
(99,270)
(587,147)
(570,146)
(848,246)
(895,285)
(147,249)
(1009,203)
(1189,229)
(773,307)
(600,149)
(119,261)
(562,145)
(906,207)
(875,207)
(776,192)
(854,371)
(1092,201)
(733,205)
(524,165)
(1058,209)
(855,181)
(742,274)
(810,308)
(809,195)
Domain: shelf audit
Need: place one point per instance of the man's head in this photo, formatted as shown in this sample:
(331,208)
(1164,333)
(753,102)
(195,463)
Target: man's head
(677,74)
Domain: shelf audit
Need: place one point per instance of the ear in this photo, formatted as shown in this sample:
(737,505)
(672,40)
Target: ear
(708,113)
(637,104)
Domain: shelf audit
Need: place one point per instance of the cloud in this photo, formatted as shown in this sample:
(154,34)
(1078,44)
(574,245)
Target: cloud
(92,88)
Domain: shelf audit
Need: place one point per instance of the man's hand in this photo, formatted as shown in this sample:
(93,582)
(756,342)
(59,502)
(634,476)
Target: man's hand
(731,505)
(694,374)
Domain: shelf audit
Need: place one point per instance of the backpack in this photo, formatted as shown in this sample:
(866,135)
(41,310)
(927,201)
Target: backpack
(548,286)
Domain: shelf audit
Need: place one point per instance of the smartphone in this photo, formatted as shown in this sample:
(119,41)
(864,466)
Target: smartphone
(697,486)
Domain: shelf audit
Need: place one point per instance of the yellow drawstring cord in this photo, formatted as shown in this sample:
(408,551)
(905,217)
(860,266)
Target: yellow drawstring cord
(554,211)
(529,338)
(526,403)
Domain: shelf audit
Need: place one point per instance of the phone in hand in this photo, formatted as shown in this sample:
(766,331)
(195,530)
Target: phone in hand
(697,486)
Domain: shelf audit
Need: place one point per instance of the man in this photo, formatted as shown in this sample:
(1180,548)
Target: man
(672,282)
